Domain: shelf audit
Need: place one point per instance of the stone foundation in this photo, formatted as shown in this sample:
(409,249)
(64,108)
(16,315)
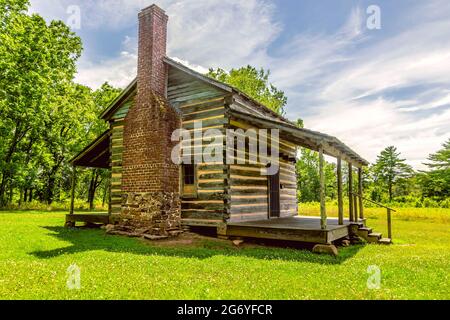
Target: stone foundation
(151,213)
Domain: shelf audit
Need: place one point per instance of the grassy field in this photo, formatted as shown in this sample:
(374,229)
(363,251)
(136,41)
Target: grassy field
(35,252)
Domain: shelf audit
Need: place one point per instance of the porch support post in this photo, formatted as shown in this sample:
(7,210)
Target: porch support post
(339,189)
(323,212)
(72,192)
(350,190)
(360,192)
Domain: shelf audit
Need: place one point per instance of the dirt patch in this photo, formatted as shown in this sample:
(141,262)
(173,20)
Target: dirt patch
(191,239)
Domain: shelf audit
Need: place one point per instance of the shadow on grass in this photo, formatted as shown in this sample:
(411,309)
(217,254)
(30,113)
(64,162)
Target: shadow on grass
(84,240)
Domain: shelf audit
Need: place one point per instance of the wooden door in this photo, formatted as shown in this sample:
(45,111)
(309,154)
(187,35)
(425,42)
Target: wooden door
(274,196)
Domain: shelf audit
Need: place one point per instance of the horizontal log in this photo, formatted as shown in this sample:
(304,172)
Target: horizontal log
(237,201)
(249,209)
(216,207)
(207,196)
(202,114)
(201,222)
(249,182)
(186,214)
(210,167)
(202,103)
(247,191)
(214,176)
(206,123)
(247,173)
(211,185)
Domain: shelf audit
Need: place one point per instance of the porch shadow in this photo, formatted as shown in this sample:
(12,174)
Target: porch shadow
(84,240)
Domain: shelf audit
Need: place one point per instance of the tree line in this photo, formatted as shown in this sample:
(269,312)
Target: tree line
(388,180)
(45,117)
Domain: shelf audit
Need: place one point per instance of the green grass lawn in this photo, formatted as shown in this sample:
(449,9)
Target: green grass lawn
(35,252)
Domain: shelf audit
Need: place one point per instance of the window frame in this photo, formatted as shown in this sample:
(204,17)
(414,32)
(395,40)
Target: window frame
(188,191)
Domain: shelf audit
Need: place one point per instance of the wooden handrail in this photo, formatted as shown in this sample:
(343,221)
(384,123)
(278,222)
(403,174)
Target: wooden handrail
(374,202)
(389,212)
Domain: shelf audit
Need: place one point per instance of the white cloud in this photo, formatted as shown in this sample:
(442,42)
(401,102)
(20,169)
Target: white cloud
(345,83)
(348,84)
(202,33)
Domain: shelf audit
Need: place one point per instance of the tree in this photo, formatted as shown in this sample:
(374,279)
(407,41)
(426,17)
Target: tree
(308,179)
(254,83)
(37,60)
(390,169)
(436,181)
(441,159)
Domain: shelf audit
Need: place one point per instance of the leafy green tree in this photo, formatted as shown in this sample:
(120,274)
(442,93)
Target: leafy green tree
(37,60)
(390,170)
(254,83)
(436,181)
(308,179)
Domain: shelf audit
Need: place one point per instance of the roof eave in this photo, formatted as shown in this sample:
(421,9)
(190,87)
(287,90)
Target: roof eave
(107,113)
(333,147)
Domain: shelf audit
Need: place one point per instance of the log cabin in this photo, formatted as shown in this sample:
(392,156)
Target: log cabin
(152,194)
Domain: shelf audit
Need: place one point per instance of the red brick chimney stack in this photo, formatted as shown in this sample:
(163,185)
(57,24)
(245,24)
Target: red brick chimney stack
(152,49)
(150,180)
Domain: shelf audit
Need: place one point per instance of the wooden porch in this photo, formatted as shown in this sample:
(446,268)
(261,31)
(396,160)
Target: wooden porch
(88,218)
(299,228)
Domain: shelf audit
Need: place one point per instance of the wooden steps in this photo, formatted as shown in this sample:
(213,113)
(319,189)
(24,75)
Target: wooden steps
(372,237)
(385,241)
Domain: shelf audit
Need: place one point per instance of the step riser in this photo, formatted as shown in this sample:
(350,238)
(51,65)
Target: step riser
(370,236)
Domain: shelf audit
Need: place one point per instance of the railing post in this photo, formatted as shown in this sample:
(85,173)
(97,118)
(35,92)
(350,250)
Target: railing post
(389,221)
(350,190)
(323,212)
(72,191)
(339,187)
(360,192)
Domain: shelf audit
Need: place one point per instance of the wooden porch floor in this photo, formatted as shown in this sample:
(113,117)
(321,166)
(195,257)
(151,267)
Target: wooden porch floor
(300,228)
(100,218)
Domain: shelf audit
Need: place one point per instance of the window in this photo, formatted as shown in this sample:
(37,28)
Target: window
(189,187)
(189,174)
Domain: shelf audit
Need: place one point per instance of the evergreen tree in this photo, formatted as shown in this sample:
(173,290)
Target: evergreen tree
(390,169)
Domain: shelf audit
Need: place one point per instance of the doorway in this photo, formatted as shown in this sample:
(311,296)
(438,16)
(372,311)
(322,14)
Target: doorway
(274,195)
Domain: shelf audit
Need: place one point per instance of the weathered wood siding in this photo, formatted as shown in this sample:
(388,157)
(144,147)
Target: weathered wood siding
(249,188)
(199,102)
(117,126)
(208,208)
(288,192)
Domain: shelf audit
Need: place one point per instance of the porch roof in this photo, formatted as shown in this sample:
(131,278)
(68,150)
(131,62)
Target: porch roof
(303,137)
(95,155)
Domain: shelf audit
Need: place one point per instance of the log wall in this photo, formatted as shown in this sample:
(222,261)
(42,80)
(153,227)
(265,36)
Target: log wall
(117,126)
(249,188)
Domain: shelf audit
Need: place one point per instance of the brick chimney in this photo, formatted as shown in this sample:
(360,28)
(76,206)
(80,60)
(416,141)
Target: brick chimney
(150,180)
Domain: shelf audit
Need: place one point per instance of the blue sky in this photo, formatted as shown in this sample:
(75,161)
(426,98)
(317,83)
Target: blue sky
(370,88)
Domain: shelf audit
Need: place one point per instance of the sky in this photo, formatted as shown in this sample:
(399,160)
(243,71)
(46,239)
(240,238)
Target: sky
(372,80)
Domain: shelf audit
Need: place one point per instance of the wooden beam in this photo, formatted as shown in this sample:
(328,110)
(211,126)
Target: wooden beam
(339,186)
(350,190)
(72,192)
(360,192)
(323,212)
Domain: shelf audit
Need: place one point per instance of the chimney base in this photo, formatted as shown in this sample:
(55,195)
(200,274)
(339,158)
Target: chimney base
(150,213)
